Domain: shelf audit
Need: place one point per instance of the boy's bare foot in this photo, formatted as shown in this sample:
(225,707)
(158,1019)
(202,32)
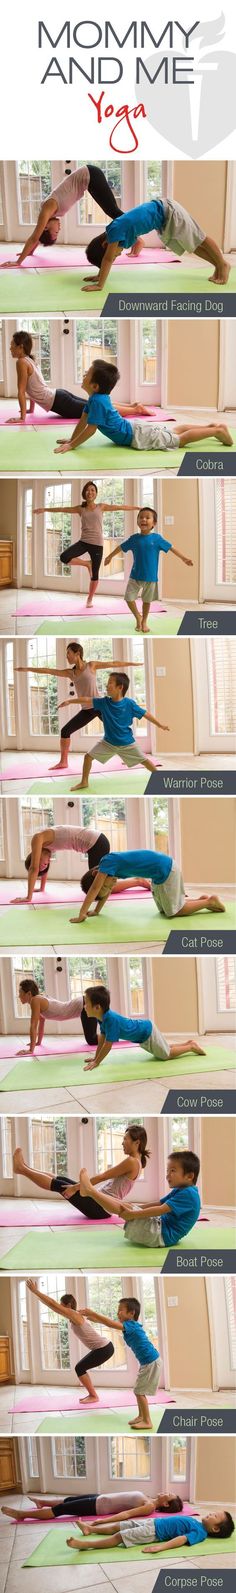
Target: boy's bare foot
(221,274)
(85,1528)
(143,1426)
(215,905)
(145,629)
(224,436)
(197,1048)
(82,786)
(18,1160)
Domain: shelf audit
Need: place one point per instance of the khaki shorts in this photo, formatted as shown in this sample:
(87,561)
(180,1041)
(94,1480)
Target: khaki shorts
(170,896)
(144,1231)
(137,1532)
(148,1377)
(180,232)
(157,1044)
(147,589)
(131,755)
(152,435)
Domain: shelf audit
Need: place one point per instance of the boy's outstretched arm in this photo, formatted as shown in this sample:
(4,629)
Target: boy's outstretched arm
(103,1048)
(153,721)
(181,556)
(81,434)
(158,1548)
(131,1213)
(98,1316)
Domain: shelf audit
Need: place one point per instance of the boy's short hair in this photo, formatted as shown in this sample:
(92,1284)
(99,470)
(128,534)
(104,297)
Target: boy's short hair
(29,987)
(28,861)
(99,996)
(132,1304)
(46,238)
(87,880)
(225,1529)
(144,507)
(95,249)
(68,1299)
(106,374)
(122,680)
(189,1162)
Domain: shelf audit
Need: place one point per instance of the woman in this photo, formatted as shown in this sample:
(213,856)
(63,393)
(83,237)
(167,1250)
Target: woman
(61,199)
(115,1506)
(82,673)
(63,838)
(99,1347)
(54,400)
(91,539)
(119,1180)
(43,1007)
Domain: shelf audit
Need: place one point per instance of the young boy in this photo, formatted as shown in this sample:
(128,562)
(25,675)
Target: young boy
(176,228)
(167,884)
(145,546)
(140,1031)
(166,1221)
(99,413)
(117,712)
(150,1363)
(172,1533)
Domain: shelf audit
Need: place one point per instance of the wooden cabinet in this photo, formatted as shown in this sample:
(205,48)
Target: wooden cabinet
(6,563)
(5,1359)
(8,1465)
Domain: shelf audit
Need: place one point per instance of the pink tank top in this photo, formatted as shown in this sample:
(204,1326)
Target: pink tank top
(36,388)
(67,839)
(119,1187)
(91,525)
(71,190)
(85,682)
(63,1010)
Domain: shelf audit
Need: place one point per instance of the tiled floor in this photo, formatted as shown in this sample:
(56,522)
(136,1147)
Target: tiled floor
(20,1423)
(41,768)
(115,1097)
(18,1542)
(13,623)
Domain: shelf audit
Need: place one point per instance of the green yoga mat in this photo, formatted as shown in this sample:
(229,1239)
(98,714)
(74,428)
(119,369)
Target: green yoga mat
(53,1550)
(105,1249)
(98,1421)
(29,449)
(129,782)
(46,926)
(45,291)
(120,1068)
(159,625)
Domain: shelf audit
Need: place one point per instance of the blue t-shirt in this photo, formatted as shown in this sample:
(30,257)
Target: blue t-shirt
(115,1027)
(135,1336)
(148,865)
(179,1527)
(100,412)
(184,1205)
(117,719)
(125,229)
(146,551)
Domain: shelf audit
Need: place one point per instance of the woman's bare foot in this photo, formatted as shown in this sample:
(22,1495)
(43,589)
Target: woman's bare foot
(16,1515)
(215,905)
(90,1399)
(84,1181)
(18,1160)
(60,765)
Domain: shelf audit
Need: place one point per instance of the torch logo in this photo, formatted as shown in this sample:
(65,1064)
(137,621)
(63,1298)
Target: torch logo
(195,116)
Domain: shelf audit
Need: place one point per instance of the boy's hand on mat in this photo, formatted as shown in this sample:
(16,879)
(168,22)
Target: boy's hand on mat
(89,286)
(63,448)
(152,1548)
(88,1066)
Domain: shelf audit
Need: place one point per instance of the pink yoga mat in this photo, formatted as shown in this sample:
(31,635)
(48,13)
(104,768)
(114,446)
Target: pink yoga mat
(60,895)
(41,417)
(67,1046)
(53,1216)
(28,768)
(70,1400)
(53,603)
(60,259)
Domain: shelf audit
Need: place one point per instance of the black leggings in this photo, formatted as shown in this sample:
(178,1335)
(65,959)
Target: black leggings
(77,1504)
(83,1203)
(95,550)
(78,721)
(100,190)
(67,405)
(94,1358)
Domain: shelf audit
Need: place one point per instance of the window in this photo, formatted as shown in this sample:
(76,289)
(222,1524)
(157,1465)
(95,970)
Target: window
(68,1457)
(40,332)
(226,984)
(149,1310)
(160,824)
(6,1147)
(1,353)
(136,986)
(230,1295)
(89,212)
(107,814)
(221,666)
(21,966)
(32,1453)
(22,1301)
(130,1458)
(148,352)
(2,843)
(85,971)
(43,704)
(114,529)
(146,489)
(178,1449)
(94,340)
(153,182)
(48,1143)
(179,1133)
(104,1295)
(225,531)
(109,1136)
(35,813)
(54,1330)
(28,532)
(137,687)
(58,533)
(34,182)
(10,689)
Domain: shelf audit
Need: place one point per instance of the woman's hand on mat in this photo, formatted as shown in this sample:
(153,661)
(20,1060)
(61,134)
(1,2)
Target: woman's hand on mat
(15,420)
(9,265)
